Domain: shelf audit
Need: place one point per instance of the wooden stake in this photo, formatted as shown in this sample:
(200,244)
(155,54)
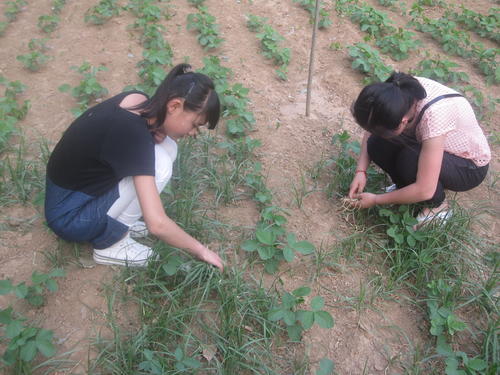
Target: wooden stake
(311,59)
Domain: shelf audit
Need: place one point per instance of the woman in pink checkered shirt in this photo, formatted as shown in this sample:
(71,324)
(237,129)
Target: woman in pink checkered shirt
(425,136)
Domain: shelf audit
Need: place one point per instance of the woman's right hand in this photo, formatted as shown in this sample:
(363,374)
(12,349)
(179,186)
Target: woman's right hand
(211,258)
(357,185)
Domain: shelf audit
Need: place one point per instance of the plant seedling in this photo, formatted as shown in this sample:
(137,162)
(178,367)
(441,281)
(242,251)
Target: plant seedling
(298,320)
(36,58)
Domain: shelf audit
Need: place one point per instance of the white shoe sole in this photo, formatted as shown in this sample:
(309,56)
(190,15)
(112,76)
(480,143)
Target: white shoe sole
(100,259)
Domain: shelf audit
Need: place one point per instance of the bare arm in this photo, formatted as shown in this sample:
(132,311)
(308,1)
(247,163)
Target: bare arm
(160,225)
(429,168)
(359,180)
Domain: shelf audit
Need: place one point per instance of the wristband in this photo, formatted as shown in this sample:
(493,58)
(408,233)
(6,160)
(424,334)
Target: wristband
(361,171)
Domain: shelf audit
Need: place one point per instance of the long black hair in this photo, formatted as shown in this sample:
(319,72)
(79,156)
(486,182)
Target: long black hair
(380,107)
(196,89)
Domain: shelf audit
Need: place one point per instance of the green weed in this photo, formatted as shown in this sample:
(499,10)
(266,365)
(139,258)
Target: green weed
(11,110)
(371,21)
(57,6)
(398,44)
(102,12)
(204,23)
(13,8)
(3,27)
(35,59)
(23,342)
(297,320)
(440,70)
(272,243)
(485,26)
(309,5)
(88,90)
(34,293)
(48,22)
(269,42)
(368,61)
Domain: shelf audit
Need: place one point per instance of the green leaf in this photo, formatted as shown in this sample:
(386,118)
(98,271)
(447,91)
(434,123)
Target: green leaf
(271,265)
(399,238)
(302,291)
(13,329)
(304,247)
(443,348)
(477,364)
(172,265)
(5,287)
(178,354)
(266,252)
(65,88)
(6,315)
(44,343)
(39,278)
(454,325)
(306,318)
(410,240)
(317,303)
(250,245)
(57,272)
(51,285)
(294,332)
(289,317)
(28,351)
(288,254)
(452,366)
(265,236)
(21,290)
(391,232)
(323,319)
(275,315)
(326,367)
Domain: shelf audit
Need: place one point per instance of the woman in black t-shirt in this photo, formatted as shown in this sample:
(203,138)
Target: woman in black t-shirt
(113,161)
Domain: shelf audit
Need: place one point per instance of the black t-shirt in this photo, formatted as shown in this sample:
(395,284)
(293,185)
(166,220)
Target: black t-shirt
(102,146)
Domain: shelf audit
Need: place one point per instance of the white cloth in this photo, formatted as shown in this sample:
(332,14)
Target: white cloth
(126,208)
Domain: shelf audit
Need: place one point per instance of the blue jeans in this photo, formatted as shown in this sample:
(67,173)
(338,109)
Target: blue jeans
(78,217)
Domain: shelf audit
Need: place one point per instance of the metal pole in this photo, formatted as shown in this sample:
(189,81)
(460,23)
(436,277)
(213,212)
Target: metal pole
(311,59)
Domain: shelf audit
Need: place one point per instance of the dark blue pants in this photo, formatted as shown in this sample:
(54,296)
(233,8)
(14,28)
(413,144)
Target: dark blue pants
(78,217)
(398,157)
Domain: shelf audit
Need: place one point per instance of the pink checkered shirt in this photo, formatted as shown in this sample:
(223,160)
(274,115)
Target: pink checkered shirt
(455,118)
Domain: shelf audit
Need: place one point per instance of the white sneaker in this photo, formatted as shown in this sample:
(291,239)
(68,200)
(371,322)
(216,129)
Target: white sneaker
(125,252)
(391,188)
(440,217)
(138,230)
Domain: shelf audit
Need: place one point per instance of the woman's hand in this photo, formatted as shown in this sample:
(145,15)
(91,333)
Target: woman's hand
(211,258)
(357,185)
(365,200)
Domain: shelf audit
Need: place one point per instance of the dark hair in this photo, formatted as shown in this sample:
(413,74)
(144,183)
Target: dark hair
(380,107)
(196,89)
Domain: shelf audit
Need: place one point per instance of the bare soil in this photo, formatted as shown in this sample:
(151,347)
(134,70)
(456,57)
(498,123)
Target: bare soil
(370,340)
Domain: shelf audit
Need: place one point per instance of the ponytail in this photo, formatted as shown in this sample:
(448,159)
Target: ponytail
(196,89)
(380,107)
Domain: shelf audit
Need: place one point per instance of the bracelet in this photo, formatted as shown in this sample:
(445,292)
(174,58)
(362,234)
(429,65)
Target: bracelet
(361,171)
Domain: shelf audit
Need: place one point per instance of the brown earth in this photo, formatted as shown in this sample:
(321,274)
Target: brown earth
(377,340)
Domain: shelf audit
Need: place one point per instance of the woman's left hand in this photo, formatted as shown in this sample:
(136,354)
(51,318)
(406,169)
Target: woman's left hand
(365,200)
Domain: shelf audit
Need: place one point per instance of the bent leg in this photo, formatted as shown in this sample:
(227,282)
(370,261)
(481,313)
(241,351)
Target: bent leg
(126,208)
(396,157)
